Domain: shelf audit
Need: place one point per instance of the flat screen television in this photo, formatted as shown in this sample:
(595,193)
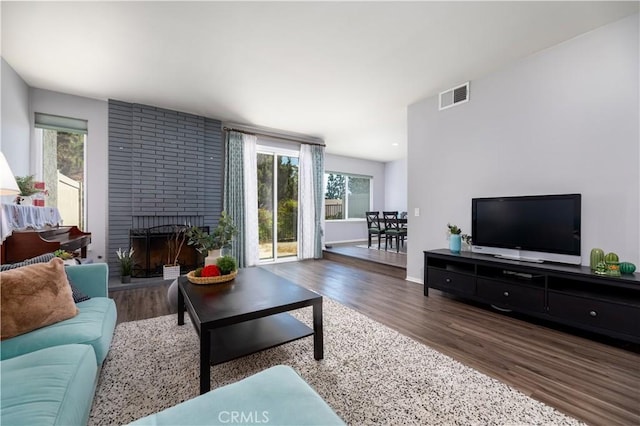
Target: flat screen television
(533,228)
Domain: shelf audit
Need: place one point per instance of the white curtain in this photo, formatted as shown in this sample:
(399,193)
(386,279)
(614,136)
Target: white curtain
(306,205)
(252,250)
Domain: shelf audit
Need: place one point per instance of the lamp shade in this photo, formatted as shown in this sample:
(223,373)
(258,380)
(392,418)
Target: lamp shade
(8,185)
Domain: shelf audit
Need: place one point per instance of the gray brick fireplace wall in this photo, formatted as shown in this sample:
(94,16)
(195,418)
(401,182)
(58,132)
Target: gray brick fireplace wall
(165,168)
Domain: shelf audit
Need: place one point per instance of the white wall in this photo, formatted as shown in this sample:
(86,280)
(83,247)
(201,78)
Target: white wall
(15,123)
(96,114)
(395,185)
(563,120)
(355,229)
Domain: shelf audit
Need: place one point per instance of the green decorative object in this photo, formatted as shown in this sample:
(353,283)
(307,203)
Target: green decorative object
(601,268)
(611,258)
(613,269)
(627,268)
(227,264)
(597,256)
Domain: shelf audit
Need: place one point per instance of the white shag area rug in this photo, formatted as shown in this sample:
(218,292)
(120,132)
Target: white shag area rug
(370,375)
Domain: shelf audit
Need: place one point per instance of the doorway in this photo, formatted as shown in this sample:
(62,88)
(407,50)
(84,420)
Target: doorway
(277,204)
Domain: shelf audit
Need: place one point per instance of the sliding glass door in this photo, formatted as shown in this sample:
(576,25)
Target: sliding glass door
(277,204)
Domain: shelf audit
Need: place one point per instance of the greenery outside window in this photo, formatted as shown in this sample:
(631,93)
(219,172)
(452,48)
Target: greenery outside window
(277,203)
(62,143)
(346,196)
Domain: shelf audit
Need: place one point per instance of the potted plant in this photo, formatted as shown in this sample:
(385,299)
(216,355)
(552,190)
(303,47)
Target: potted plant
(211,244)
(455,238)
(227,264)
(67,257)
(126,264)
(466,240)
(175,241)
(27,187)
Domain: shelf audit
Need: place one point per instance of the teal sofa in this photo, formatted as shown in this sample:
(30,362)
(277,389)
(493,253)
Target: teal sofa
(48,376)
(276,396)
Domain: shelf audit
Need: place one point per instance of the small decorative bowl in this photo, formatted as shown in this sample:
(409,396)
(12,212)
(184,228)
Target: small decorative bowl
(211,280)
(613,269)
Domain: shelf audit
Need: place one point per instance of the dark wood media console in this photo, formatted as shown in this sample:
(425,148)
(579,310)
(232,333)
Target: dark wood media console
(566,294)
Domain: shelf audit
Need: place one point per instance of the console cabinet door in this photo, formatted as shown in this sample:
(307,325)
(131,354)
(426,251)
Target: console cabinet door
(506,295)
(453,282)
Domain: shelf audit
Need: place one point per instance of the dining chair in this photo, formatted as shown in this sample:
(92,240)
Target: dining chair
(373,227)
(392,229)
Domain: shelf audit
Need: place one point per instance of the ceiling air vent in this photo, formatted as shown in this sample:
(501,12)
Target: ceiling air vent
(455,96)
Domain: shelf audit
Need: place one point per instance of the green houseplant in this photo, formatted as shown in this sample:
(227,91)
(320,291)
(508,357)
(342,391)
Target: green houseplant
(453,229)
(227,264)
(27,187)
(220,238)
(126,264)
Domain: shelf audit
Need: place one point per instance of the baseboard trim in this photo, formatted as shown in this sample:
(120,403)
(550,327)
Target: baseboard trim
(415,280)
(344,242)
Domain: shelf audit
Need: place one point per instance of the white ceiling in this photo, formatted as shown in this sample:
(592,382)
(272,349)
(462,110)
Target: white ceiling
(343,71)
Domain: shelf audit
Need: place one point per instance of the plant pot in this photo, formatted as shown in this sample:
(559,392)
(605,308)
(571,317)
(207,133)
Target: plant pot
(24,200)
(170,272)
(455,243)
(125,279)
(212,257)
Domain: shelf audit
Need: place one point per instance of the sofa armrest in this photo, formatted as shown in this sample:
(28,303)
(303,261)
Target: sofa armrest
(91,279)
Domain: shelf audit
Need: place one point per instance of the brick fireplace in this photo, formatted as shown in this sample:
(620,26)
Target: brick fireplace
(165,169)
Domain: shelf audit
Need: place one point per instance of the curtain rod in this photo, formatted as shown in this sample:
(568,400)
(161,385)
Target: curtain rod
(272,135)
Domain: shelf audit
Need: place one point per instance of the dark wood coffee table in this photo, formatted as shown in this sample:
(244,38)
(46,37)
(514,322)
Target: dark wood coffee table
(246,315)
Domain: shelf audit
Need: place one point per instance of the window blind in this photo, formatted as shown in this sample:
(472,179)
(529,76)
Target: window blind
(65,124)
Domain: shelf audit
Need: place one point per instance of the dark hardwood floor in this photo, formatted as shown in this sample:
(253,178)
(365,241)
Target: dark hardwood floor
(593,379)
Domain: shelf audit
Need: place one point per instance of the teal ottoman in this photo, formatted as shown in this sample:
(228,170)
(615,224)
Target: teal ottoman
(52,386)
(276,396)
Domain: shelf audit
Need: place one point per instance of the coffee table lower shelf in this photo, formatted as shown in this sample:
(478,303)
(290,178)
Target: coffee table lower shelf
(238,340)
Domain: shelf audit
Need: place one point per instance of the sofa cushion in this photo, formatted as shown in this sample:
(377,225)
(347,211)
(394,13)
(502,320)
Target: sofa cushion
(78,295)
(276,396)
(43,258)
(91,279)
(34,296)
(94,325)
(53,386)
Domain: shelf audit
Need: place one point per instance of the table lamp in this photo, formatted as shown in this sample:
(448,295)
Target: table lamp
(8,185)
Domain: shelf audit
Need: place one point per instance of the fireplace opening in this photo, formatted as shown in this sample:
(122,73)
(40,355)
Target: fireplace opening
(151,250)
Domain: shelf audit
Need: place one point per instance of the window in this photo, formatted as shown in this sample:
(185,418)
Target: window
(62,141)
(346,196)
